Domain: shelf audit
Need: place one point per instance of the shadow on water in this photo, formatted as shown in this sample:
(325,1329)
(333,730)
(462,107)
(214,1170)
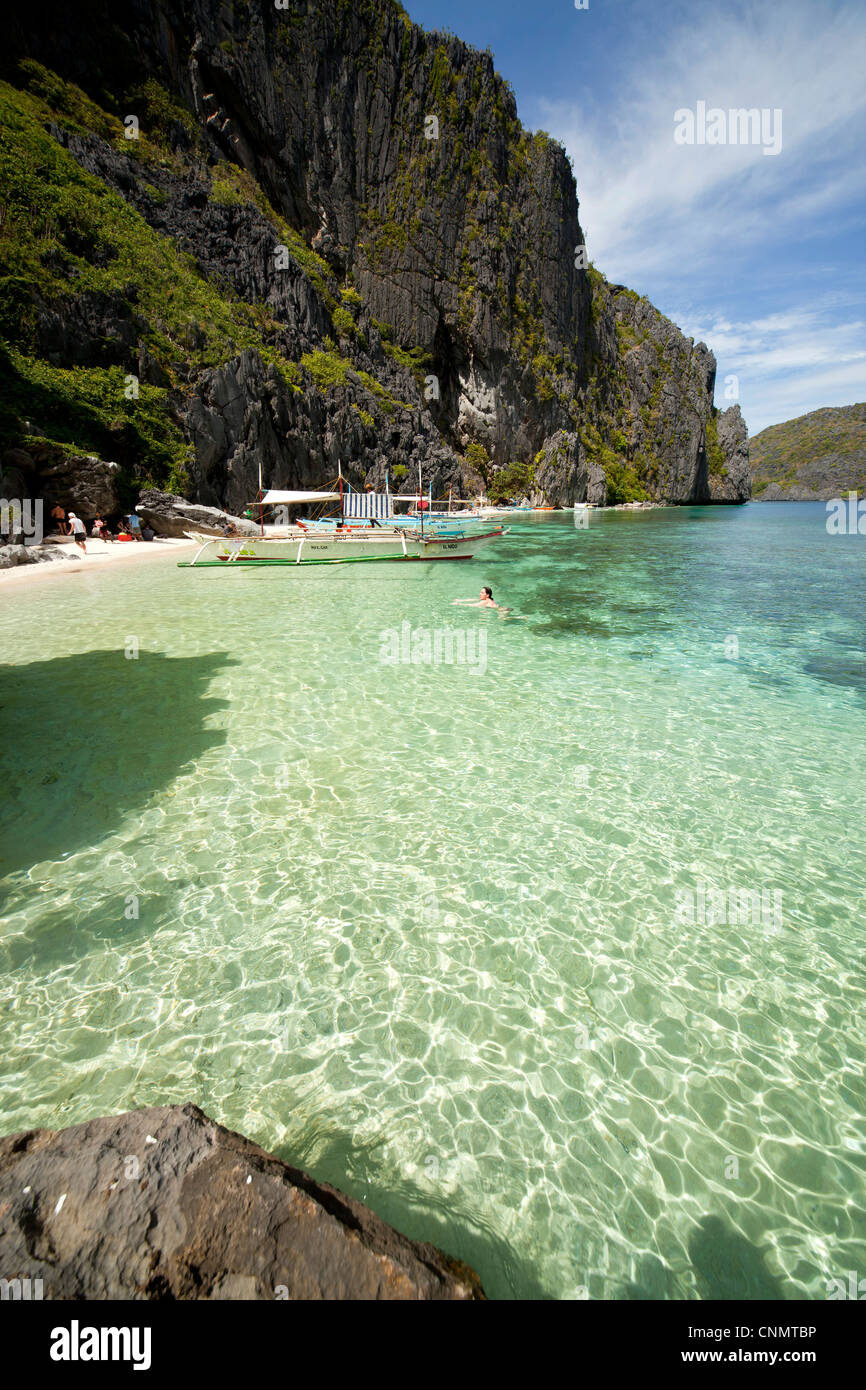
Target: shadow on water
(86,739)
(726,1267)
(654,1282)
(417,1213)
(729,1267)
(849,672)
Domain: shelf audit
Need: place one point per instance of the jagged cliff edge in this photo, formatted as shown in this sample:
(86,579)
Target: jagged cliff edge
(373,263)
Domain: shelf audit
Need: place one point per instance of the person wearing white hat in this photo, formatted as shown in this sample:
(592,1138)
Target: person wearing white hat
(79,534)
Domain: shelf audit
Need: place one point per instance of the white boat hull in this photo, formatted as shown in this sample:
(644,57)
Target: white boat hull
(309,547)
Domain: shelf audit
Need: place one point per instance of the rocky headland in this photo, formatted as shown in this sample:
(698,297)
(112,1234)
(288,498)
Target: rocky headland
(813,458)
(315,235)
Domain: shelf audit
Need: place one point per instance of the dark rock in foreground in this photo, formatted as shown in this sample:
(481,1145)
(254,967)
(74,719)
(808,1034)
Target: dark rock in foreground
(164,1203)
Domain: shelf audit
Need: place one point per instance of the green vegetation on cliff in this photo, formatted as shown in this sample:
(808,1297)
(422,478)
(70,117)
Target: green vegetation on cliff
(822,454)
(514,481)
(90,412)
(430,208)
(68,240)
(715,453)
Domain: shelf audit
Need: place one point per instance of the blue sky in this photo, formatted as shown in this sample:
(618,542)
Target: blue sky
(761,256)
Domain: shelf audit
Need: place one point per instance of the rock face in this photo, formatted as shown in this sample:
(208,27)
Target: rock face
(412,259)
(563,474)
(245,412)
(79,483)
(668,393)
(85,485)
(813,458)
(13,555)
(172,516)
(164,1203)
(734,483)
(17,475)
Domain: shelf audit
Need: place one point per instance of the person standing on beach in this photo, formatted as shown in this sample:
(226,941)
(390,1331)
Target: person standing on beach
(59,515)
(79,534)
(134,525)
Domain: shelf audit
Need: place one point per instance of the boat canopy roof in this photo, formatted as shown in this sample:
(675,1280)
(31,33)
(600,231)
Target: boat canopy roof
(274,496)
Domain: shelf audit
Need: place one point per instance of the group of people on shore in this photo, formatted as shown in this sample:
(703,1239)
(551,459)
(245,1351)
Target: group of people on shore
(129,528)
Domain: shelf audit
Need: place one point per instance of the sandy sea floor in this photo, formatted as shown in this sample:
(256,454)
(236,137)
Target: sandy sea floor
(441,933)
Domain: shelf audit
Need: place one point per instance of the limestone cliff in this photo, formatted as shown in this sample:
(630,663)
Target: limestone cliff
(331,241)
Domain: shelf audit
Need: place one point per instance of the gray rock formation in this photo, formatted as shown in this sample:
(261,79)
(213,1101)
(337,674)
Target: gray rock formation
(164,1203)
(734,484)
(669,383)
(796,492)
(82,484)
(457,245)
(563,474)
(14,555)
(173,516)
(245,413)
(18,475)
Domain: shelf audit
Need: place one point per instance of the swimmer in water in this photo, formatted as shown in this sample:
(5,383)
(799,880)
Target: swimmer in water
(484,600)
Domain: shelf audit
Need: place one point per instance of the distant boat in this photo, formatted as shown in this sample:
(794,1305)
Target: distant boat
(488,510)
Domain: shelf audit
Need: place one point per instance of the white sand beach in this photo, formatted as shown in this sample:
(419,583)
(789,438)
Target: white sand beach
(100,554)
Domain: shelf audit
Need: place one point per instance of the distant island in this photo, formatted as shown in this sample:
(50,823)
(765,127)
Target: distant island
(811,459)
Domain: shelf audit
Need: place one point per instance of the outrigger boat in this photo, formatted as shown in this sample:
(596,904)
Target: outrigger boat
(367,530)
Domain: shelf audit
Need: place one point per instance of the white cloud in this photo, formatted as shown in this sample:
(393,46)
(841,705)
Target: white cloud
(787,363)
(723,226)
(644,197)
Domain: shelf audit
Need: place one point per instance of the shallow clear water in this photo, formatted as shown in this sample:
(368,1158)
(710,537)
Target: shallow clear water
(420,928)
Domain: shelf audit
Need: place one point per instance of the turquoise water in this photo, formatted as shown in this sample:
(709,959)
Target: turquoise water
(420,928)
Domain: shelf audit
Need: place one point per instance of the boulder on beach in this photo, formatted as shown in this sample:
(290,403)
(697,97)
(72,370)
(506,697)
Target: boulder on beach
(81,483)
(165,1203)
(12,555)
(173,516)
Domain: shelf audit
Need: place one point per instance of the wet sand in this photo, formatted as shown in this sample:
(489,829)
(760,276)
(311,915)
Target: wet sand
(100,554)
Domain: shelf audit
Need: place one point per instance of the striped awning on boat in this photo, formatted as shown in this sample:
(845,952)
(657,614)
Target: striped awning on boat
(367,504)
